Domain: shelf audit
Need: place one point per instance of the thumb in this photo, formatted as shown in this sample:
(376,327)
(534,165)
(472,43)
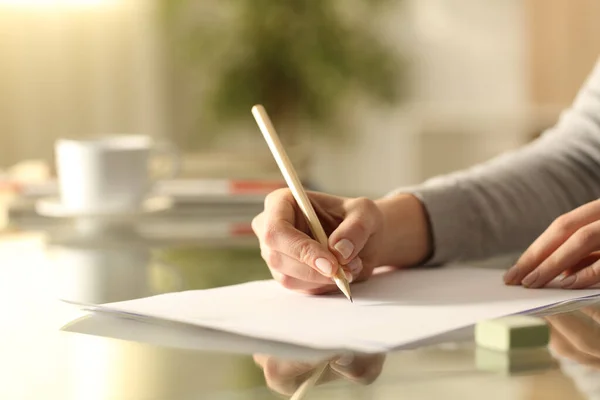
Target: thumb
(351,236)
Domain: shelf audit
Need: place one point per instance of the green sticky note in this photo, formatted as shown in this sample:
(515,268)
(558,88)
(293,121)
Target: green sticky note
(513,332)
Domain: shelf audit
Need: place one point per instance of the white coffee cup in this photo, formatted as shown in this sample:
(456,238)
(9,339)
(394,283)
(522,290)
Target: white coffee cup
(109,173)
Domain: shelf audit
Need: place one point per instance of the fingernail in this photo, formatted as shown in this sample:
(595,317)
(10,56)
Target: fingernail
(511,274)
(345,359)
(344,247)
(324,265)
(349,276)
(530,280)
(568,281)
(355,266)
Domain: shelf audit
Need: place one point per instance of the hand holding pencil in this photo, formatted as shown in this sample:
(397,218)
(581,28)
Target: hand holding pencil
(353,238)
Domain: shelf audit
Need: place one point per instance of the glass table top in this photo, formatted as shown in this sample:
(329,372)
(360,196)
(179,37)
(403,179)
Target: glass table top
(50,348)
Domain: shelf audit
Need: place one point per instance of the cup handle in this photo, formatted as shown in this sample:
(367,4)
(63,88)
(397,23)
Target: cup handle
(170,152)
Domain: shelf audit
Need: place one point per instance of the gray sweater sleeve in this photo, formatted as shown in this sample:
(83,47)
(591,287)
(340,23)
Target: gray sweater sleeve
(501,206)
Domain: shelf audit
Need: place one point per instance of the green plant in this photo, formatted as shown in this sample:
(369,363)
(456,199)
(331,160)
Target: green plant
(302,59)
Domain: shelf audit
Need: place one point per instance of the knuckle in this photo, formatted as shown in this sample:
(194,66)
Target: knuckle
(586,237)
(563,225)
(270,235)
(364,204)
(305,252)
(277,195)
(371,207)
(365,216)
(269,198)
(256,222)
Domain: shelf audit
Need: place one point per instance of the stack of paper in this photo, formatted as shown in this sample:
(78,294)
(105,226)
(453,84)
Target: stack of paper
(389,311)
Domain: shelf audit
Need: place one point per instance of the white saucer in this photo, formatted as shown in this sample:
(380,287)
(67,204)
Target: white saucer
(52,207)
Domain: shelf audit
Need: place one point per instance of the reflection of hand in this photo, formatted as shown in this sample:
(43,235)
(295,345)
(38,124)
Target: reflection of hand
(570,246)
(577,338)
(286,376)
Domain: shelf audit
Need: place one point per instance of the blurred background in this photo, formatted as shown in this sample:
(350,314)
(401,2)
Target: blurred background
(368,95)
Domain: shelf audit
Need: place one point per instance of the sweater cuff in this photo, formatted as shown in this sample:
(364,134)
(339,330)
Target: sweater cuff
(444,203)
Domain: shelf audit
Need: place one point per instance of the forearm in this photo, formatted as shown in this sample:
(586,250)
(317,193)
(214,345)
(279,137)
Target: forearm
(501,206)
(406,236)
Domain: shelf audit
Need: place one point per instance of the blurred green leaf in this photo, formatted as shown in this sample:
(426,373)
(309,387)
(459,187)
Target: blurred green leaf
(300,58)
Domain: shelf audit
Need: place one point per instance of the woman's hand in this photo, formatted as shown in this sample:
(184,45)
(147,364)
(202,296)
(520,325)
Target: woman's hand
(363,235)
(577,337)
(285,376)
(570,246)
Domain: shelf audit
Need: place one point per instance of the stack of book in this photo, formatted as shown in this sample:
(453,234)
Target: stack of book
(203,208)
(182,191)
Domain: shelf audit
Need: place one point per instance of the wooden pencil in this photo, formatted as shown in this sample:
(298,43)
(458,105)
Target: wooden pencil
(293,182)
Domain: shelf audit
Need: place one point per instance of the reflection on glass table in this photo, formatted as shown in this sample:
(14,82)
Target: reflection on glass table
(110,358)
(575,341)
(123,263)
(446,365)
(286,376)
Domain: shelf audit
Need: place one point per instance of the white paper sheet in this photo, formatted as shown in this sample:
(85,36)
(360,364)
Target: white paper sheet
(389,311)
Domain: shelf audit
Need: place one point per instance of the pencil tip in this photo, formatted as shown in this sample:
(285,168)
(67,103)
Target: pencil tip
(344,287)
(347,293)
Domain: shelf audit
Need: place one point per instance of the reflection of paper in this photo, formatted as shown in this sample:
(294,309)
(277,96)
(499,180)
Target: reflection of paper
(183,336)
(389,311)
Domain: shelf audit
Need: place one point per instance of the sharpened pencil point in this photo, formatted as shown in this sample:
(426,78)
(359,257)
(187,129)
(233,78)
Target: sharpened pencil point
(343,285)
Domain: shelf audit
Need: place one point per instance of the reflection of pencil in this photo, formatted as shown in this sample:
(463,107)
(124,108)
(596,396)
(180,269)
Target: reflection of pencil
(292,180)
(310,382)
